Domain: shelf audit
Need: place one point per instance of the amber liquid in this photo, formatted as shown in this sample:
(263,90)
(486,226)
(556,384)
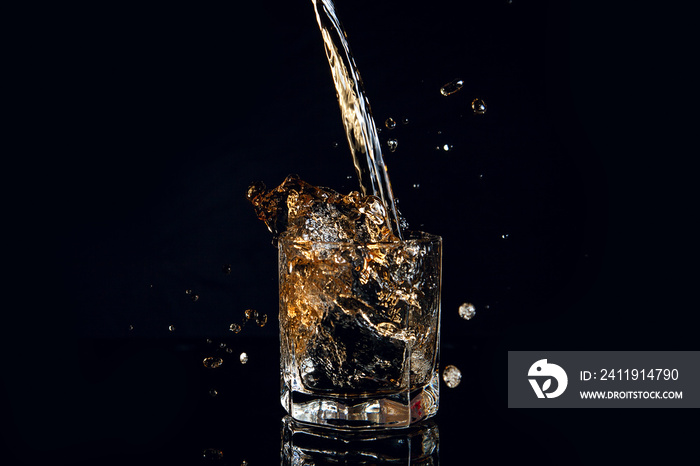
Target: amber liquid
(360,129)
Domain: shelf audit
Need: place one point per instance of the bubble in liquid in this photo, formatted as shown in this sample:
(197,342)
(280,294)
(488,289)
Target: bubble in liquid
(335,145)
(244,358)
(451,87)
(213,392)
(222,345)
(251,314)
(226,268)
(262,320)
(404,121)
(131,327)
(392,144)
(452,376)
(235,328)
(194,297)
(212,363)
(212,454)
(479,106)
(467,311)
(171,328)
(229,350)
(390,123)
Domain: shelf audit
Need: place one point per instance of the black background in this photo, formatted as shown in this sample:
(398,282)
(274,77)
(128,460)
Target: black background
(139,127)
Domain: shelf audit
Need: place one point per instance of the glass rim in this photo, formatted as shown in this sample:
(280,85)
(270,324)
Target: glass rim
(417,237)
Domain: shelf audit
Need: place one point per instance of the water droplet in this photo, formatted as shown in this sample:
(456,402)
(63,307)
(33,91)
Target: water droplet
(195,298)
(452,376)
(222,345)
(392,144)
(212,454)
(349,177)
(251,314)
(451,87)
(244,463)
(479,106)
(131,327)
(505,236)
(390,123)
(467,311)
(171,328)
(188,291)
(262,320)
(229,350)
(209,341)
(416,185)
(212,363)
(235,328)
(446,147)
(335,144)
(213,392)
(404,121)
(244,358)
(226,268)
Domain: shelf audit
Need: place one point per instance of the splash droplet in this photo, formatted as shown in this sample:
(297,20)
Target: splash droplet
(212,363)
(262,320)
(131,327)
(251,314)
(447,147)
(226,268)
(212,454)
(392,144)
(505,235)
(222,345)
(244,358)
(452,376)
(171,328)
(213,392)
(229,350)
(195,298)
(416,185)
(404,121)
(335,144)
(209,341)
(188,291)
(467,311)
(390,123)
(235,328)
(479,106)
(451,87)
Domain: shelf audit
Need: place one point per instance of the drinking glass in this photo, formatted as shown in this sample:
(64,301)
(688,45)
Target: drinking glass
(360,331)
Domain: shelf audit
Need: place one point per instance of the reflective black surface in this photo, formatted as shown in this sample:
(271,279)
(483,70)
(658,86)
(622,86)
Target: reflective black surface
(567,214)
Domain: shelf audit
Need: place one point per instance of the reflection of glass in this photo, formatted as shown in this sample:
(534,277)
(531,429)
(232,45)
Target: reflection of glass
(303,444)
(359,331)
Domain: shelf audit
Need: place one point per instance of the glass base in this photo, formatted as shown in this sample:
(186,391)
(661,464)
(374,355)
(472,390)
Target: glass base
(304,444)
(393,410)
